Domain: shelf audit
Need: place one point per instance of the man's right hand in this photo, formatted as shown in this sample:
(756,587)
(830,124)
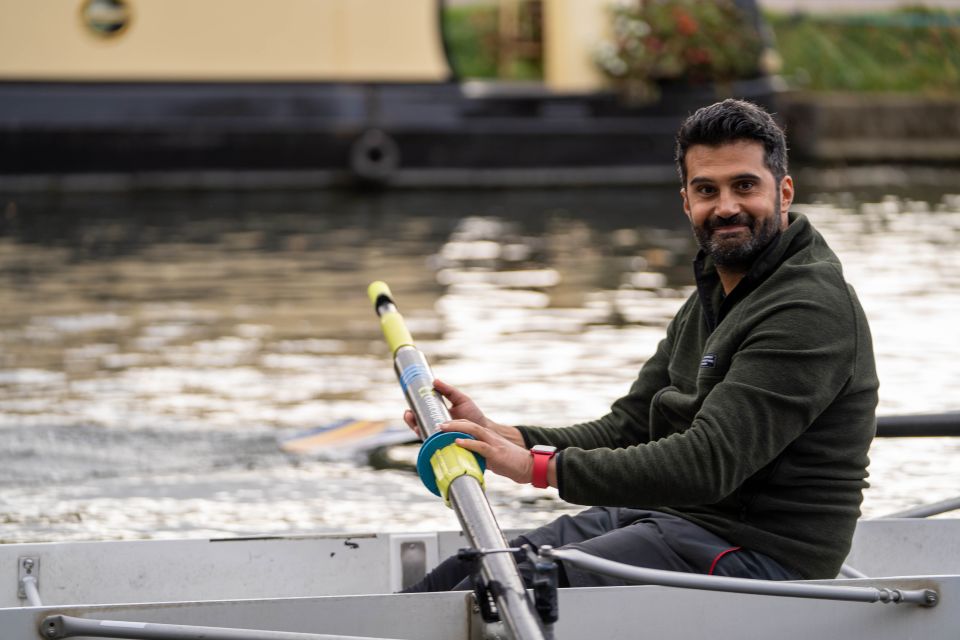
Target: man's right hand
(462,407)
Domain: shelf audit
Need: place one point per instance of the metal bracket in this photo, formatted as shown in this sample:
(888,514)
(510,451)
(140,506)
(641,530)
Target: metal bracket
(28,571)
(411,556)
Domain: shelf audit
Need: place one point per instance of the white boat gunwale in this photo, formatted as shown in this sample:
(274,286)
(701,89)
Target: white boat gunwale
(291,584)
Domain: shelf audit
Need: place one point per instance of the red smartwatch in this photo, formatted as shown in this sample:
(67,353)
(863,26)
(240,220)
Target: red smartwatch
(542,454)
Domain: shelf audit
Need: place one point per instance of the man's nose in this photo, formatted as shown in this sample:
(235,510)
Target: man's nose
(727,204)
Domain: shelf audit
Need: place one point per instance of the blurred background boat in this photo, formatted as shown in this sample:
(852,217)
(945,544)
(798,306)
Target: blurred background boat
(212,93)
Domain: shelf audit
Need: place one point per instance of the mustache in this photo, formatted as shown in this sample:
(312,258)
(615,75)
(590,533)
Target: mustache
(717,222)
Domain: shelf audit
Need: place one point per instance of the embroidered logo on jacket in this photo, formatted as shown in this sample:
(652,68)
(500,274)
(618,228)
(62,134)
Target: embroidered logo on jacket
(709,361)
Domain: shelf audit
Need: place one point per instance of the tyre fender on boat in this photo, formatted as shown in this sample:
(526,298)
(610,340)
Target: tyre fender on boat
(374,156)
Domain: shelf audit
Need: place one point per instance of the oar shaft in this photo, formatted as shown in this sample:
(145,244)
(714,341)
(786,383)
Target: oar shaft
(463,491)
(920,425)
(481,529)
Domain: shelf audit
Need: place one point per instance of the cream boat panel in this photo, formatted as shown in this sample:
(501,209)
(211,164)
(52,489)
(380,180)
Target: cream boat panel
(227,40)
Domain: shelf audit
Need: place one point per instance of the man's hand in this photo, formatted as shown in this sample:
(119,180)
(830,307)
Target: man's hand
(463,408)
(504,457)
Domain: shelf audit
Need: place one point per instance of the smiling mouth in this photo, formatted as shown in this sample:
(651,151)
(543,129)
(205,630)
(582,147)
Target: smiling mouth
(730,229)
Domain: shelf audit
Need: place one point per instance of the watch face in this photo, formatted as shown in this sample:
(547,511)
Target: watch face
(543,448)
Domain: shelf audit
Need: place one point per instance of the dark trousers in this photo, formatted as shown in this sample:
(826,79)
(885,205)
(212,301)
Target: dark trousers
(642,538)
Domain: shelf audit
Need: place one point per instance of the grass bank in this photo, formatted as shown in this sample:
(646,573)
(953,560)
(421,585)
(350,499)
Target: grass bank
(910,50)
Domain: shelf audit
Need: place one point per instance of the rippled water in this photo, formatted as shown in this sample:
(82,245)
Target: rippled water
(152,348)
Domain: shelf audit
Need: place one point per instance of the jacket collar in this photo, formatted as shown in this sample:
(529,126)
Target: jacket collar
(715,304)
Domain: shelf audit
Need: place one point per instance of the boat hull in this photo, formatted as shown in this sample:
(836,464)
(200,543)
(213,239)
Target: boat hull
(609,612)
(344,584)
(156,134)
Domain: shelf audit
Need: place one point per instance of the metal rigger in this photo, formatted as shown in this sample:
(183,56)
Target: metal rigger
(456,474)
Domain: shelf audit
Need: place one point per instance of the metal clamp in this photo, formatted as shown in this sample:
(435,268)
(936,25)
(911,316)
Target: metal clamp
(544,582)
(483,591)
(546,579)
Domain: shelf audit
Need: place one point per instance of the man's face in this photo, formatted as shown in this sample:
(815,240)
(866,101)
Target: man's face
(733,201)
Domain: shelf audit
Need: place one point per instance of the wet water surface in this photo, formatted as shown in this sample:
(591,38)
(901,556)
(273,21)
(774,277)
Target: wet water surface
(152,348)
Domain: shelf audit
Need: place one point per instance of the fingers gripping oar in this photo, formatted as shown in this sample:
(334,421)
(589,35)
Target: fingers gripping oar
(454,473)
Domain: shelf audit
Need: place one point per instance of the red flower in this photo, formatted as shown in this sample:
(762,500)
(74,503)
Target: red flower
(686,25)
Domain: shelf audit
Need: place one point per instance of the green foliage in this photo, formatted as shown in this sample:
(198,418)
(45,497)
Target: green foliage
(473,39)
(471,33)
(911,50)
(678,40)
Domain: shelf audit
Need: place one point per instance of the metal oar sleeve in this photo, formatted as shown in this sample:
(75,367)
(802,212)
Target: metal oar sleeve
(55,627)
(416,379)
(925,597)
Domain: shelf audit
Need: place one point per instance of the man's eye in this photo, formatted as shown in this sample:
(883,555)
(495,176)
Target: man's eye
(706,190)
(746,185)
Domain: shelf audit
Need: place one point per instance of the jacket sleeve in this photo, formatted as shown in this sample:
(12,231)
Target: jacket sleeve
(793,361)
(628,421)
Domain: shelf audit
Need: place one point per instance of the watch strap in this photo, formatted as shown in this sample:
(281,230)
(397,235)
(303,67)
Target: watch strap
(541,463)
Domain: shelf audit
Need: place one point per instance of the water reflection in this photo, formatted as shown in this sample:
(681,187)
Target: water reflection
(154,346)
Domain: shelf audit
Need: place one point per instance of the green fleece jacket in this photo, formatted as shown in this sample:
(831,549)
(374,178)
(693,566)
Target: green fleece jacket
(752,419)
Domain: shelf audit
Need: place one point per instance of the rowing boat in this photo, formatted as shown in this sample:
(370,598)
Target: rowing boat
(338,586)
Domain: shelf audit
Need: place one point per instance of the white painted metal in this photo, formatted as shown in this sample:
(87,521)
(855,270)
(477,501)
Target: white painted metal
(413,617)
(680,614)
(178,570)
(602,613)
(288,584)
(906,547)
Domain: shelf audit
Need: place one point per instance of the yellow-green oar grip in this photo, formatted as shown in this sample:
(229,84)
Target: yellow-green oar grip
(451,462)
(377,289)
(395,331)
(391,322)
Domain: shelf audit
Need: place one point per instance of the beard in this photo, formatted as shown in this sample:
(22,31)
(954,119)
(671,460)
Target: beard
(735,252)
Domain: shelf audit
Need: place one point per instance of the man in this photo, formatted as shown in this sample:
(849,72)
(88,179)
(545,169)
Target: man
(741,448)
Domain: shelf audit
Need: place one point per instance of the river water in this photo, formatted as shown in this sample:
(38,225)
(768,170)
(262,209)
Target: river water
(153,347)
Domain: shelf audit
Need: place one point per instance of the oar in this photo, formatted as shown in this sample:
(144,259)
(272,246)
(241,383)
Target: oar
(454,473)
(926,425)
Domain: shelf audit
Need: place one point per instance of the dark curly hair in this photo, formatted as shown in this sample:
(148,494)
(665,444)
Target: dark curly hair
(729,121)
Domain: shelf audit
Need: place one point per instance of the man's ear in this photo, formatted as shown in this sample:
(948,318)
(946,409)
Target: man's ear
(686,203)
(786,195)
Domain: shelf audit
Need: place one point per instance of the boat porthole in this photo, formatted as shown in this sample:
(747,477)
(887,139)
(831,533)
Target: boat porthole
(374,156)
(106,18)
